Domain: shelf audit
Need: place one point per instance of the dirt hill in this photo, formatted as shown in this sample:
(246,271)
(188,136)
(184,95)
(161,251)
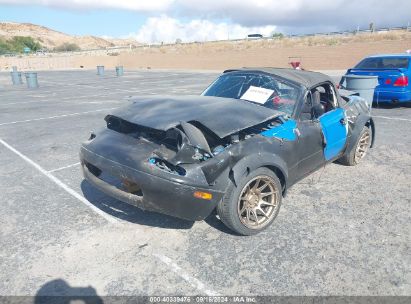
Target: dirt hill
(50,39)
(326,52)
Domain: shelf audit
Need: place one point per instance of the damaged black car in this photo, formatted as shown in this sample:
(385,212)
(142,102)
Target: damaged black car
(237,148)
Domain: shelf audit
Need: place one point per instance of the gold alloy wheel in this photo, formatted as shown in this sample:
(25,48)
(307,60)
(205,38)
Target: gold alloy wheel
(258,202)
(362,146)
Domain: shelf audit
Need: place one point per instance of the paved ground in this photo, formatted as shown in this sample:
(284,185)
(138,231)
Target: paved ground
(342,231)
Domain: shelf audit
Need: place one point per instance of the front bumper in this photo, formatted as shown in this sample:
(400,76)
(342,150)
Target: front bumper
(158,194)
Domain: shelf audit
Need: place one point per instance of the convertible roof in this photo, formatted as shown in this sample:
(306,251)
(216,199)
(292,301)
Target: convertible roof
(305,78)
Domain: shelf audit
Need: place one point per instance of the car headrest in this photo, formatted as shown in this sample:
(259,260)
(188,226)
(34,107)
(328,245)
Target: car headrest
(316,97)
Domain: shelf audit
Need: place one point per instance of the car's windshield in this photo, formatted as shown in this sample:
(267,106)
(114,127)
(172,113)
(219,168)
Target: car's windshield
(262,89)
(384,63)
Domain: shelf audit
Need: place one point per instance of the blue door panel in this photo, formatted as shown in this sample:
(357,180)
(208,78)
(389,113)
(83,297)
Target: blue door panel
(335,133)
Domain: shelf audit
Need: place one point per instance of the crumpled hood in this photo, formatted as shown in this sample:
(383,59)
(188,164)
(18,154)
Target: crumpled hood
(223,116)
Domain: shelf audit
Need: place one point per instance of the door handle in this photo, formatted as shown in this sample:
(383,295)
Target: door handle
(343,121)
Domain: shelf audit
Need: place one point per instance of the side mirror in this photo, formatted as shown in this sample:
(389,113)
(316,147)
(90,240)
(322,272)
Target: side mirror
(318,110)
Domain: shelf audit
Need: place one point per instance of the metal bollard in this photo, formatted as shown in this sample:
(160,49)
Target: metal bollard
(100,70)
(16,78)
(362,84)
(31,79)
(119,70)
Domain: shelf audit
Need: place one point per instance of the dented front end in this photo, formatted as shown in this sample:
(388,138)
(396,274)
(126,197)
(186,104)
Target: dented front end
(182,172)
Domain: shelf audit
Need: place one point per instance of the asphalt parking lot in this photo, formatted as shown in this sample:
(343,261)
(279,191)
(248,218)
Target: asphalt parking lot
(342,231)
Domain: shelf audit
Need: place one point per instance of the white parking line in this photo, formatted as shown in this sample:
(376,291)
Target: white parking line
(65,101)
(62,168)
(200,286)
(59,183)
(17,103)
(82,97)
(53,117)
(392,118)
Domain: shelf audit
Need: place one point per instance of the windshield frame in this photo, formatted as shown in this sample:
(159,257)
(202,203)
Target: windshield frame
(300,89)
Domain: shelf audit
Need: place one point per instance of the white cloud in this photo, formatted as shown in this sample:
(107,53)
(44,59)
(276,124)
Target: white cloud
(166,29)
(290,15)
(136,5)
(338,14)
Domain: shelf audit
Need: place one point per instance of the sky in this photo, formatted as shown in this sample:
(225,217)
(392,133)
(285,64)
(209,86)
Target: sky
(154,21)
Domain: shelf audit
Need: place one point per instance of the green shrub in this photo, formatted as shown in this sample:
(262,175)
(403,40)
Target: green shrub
(277,35)
(17,45)
(4,48)
(332,42)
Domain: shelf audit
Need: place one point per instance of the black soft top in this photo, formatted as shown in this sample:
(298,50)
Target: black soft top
(307,79)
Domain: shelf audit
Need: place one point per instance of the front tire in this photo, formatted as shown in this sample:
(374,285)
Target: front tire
(360,149)
(253,204)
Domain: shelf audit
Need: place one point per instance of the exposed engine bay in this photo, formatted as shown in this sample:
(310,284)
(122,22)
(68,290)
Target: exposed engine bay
(187,143)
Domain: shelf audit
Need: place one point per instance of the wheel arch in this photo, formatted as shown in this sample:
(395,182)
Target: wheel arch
(269,161)
(370,123)
(280,175)
(362,121)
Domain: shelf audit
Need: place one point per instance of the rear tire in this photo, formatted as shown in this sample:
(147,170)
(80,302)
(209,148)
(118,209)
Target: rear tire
(253,204)
(358,152)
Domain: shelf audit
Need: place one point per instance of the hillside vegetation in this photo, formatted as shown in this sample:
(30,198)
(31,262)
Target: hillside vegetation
(51,39)
(17,45)
(282,42)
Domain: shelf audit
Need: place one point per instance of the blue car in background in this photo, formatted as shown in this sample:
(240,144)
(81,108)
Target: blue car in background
(393,71)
